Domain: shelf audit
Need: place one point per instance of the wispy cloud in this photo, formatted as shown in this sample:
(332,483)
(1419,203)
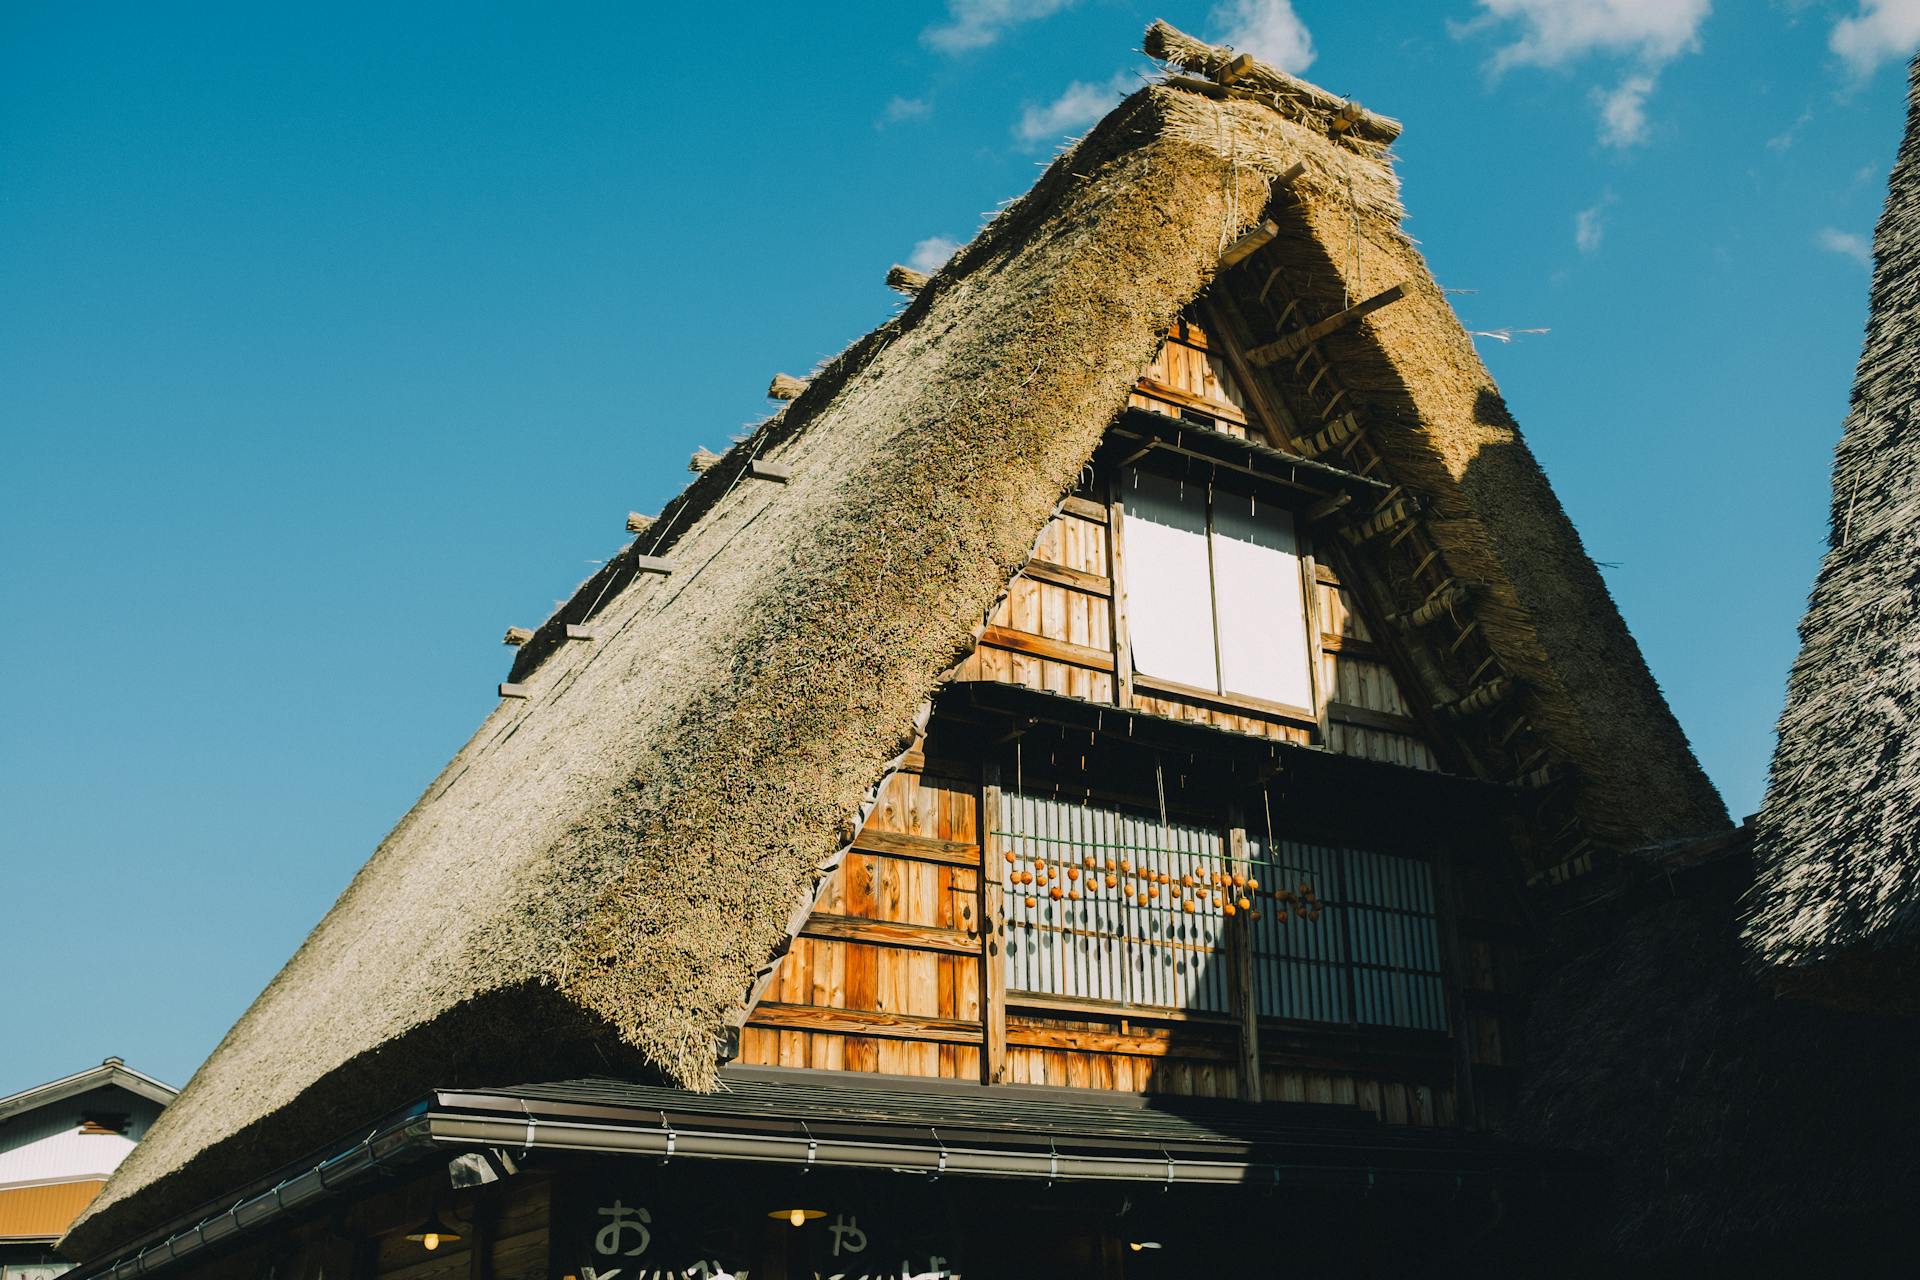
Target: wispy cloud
(1848,244)
(1880,30)
(1648,34)
(1590,227)
(1076,108)
(1623,110)
(899,110)
(1268,29)
(975,24)
(931,254)
(1785,139)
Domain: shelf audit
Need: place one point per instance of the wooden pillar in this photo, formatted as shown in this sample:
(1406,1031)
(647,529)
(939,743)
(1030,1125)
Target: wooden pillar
(1453,975)
(1246,1004)
(1117,575)
(993,937)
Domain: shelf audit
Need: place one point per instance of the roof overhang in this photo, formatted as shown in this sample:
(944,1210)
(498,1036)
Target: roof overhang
(110,1074)
(803,1120)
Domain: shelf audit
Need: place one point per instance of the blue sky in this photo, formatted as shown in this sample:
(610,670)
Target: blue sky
(339,338)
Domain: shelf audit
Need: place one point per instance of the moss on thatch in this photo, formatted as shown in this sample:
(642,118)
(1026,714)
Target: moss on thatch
(607,864)
(1837,903)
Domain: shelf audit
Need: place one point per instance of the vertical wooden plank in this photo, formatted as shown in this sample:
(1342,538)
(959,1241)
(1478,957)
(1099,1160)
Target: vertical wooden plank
(1245,1006)
(1116,549)
(993,937)
(1310,594)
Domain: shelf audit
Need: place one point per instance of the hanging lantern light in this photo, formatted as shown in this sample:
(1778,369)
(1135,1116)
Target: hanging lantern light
(433,1233)
(797,1217)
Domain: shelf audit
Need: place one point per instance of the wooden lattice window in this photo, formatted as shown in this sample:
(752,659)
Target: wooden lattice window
(1106,905)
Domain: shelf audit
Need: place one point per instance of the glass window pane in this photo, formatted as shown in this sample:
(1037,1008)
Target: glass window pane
(1262,612)
(1168,580)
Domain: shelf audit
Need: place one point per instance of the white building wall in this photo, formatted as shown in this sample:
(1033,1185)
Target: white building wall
(47,1145)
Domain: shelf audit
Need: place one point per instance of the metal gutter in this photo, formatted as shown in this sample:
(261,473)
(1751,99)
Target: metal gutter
(406,1136)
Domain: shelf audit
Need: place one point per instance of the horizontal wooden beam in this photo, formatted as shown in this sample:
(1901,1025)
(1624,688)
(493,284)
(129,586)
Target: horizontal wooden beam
(1452,595)
(890,933)
(577,632)
(1078,655)
(1142,1044)
(1492,693)
(1300,339)
(515,691)
(653,564)
(899,844)
(1180,398)
(1368,718)
(1060,576)
(777,472)
(1073,505)
(861,1022)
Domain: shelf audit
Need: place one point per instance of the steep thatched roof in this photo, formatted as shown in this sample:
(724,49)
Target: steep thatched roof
(1837,901)
(597,876)
(1738,1125)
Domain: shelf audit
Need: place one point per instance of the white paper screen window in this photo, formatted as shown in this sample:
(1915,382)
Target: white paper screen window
(1260,610)
(1169,580)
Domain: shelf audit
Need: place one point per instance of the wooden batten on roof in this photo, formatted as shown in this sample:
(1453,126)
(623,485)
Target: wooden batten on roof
(906,280)
(785,387)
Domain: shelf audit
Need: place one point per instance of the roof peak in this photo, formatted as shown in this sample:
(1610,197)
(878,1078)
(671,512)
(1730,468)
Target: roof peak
(1230,73)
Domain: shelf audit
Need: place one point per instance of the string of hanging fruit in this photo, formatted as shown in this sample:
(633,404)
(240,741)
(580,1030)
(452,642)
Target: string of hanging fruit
(1199,888)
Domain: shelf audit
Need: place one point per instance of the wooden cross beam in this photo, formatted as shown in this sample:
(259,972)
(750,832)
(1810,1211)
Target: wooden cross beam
(1300,339)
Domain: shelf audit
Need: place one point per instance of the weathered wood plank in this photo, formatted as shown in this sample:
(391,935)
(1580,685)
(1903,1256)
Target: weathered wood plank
(1038,646)
(993,938)
(889,933)
(1062,576)
(864,1022)
(899,844)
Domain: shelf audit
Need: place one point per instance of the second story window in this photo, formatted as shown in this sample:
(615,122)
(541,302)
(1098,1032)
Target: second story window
(1215,596)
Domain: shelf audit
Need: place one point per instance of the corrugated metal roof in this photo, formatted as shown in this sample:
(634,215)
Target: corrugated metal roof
(43,1212)
(770,1100)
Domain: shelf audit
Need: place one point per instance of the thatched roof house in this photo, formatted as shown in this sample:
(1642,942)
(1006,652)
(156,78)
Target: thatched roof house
(603,875)
(1836,909)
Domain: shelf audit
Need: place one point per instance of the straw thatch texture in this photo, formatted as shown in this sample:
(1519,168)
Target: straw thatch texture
(1837,904)
(630,842)
(605,866)
(1737,1125)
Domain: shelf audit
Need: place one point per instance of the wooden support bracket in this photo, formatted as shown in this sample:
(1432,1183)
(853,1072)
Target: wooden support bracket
(774,471)
(517,636)
(515,691)
(1390,516)
(662,565)
(1453,594)
(1300,339)
(1490,694)
(577,632)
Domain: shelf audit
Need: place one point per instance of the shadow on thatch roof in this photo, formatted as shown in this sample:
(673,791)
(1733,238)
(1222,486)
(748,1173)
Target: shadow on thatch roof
(1837,903)
(597,877)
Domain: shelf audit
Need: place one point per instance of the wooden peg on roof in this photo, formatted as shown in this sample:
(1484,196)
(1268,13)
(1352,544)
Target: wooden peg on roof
(1236,69)
(517,636)
(1249,244)
(785,387)
(703,458)
(637,523)
(906,280)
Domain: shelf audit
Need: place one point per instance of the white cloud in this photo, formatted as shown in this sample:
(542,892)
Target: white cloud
(1623,110)
(1077,107)
(932,254)
(1848,244)
(1882,29)
(1552,33)
(975,24)
(1590,228)
(1268,29)
(899,110)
